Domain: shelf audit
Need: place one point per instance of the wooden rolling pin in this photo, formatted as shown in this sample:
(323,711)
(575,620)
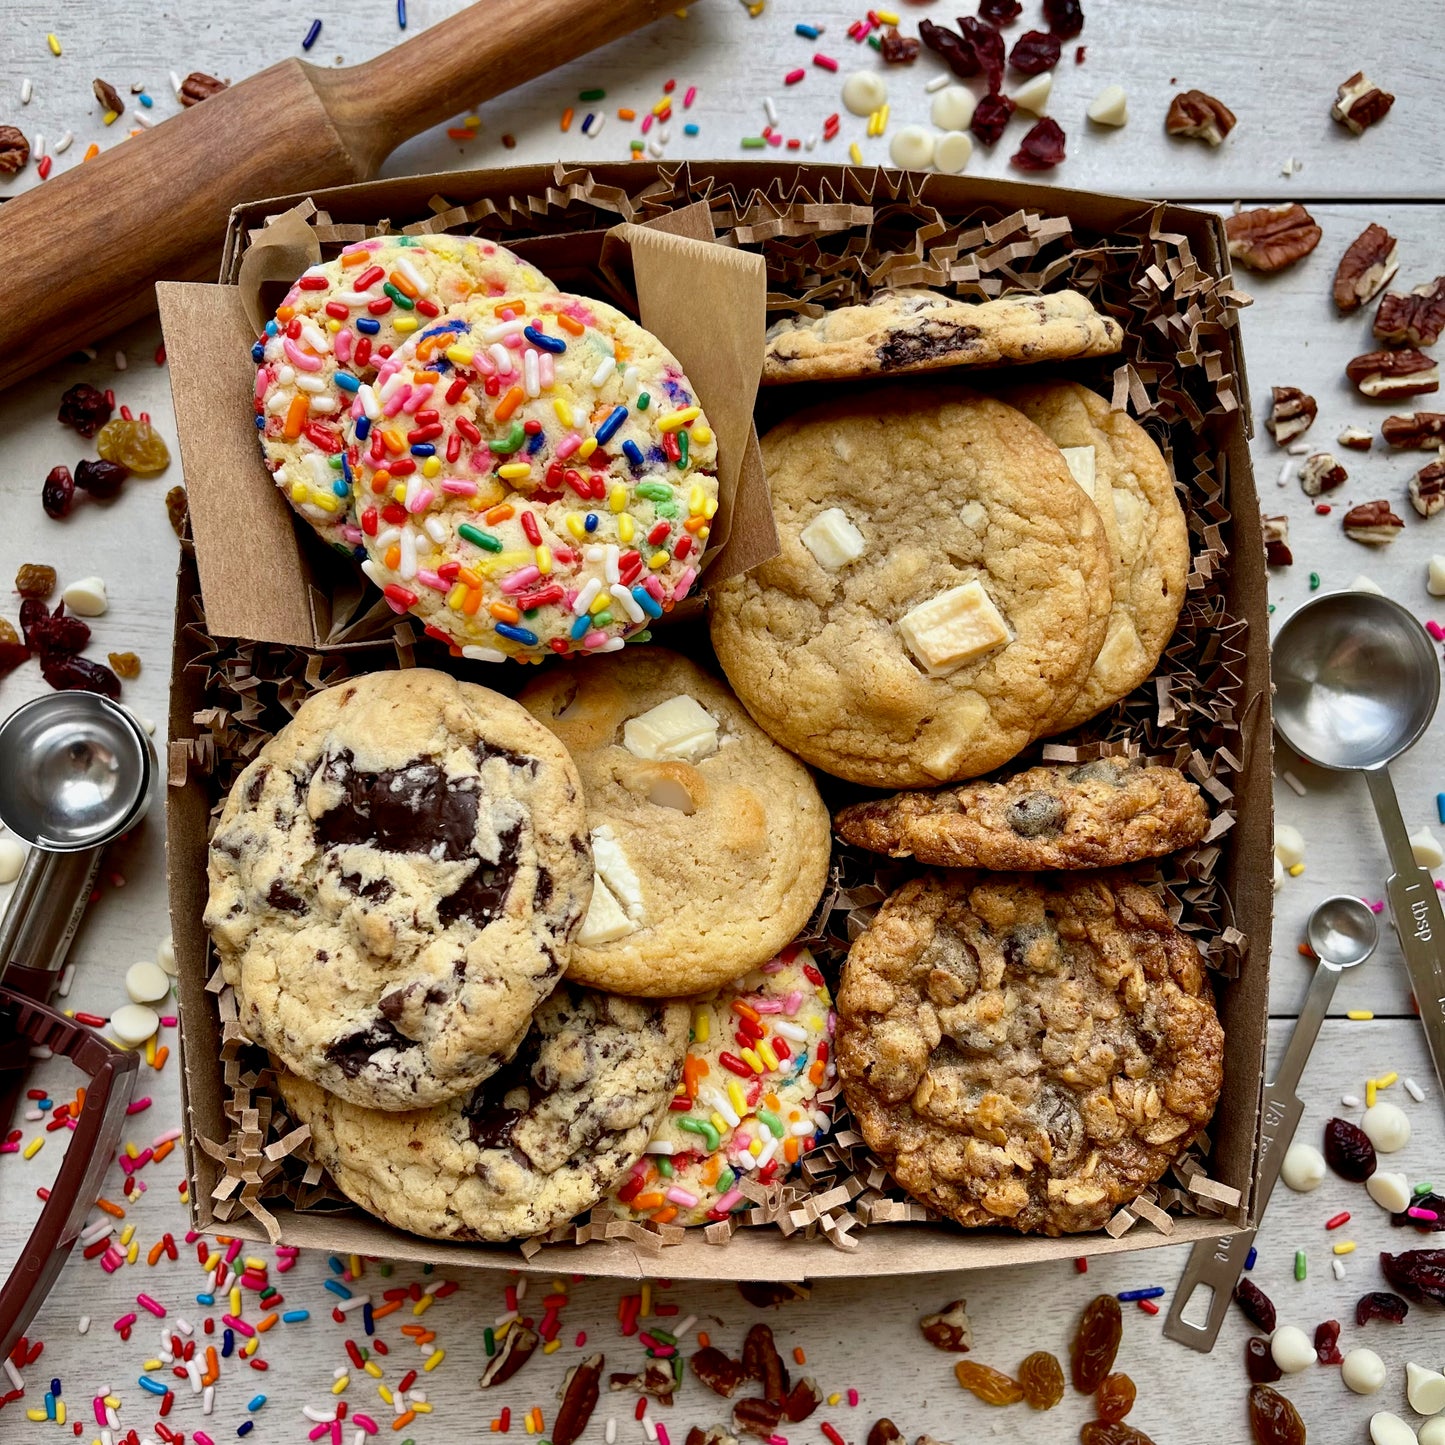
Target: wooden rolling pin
(82,253)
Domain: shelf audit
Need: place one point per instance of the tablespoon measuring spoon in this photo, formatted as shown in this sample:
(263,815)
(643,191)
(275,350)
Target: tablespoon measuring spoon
(1341,932)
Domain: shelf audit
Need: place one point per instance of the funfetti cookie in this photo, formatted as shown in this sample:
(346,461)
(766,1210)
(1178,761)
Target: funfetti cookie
(336,328)
(760,1053)
(941,593)
(395,881)
(711,843)
(540,481)
(537,1143)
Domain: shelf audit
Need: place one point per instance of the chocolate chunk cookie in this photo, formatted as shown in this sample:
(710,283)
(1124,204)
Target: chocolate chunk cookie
(1027,1052)
(537,1143)
(395,882)
(1060,815)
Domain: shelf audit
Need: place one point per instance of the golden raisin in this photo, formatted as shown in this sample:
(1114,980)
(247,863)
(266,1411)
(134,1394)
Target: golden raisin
(1096,1342)
(176,509)
(125,664)
(1115,1398)
(993,1387)
(134,444)
(1102,1432)
(7,631)
(1041,1378)
(34,579)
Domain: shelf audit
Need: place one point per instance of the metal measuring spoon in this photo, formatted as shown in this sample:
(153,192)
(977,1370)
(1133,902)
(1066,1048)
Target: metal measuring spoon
(1342,932)
(1356,683)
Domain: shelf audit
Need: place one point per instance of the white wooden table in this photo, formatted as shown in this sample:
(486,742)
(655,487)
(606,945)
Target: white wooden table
(1278,68)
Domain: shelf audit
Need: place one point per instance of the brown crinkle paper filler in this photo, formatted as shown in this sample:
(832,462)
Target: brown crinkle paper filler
(849,235)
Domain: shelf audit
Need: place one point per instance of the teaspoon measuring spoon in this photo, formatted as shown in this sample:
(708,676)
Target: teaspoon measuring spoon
(1342,932)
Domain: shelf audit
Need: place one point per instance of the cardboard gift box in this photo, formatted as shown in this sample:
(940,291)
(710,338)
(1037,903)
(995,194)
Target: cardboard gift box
(265,613)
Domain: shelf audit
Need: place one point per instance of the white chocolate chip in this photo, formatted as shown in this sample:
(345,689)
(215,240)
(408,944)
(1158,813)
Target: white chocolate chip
(1289,845)
(1366,584)
(147,982)
(911,148)
(166,955)
(86,598)
(1109,107)
(680,729)
(1435,583)
(134,1023)
(1389,1191)
(1081,466)
(1363,1371)
(1432,1432)
(864,92)
(1425,1389)
(1033,94)
(605,921)
(1290,1349)
(952,151)
(616,872)
(1389,1429)
(953,628)
(952,108)
(1303,1168)
(1426,847)
(1387,1127)
(833,539)
(1278,875)
(12,860)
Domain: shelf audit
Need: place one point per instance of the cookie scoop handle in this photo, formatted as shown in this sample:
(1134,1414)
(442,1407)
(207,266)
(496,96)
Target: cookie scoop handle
(84,250)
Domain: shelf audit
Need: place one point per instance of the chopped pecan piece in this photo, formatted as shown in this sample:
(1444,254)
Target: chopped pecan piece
(108,96)
(1422,429)
(763,1363)
(717,1371)
(885,1432)
(1427,488)
(757,1417)
(897,49)
(1388,374)
(949,1329)
(802,1400)
(1372,523)
(516,1350)
(14,150)
(1359,103)
(1321,473)
(1290,415)
(1269,238)
(1417,316)
(199,86)
(1276,542)
(1368,266)
(579,1399)
(1193,113)
(656,1379)
(764,1293)
(1357,438)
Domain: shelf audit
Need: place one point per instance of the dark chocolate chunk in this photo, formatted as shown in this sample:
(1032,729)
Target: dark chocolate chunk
(280,897)
(929,338)
(484,892)
(378,890)
(354,1052)
(1034,814)
(416,809)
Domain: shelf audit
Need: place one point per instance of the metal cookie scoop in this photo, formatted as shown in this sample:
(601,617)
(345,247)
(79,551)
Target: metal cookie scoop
(1342,932)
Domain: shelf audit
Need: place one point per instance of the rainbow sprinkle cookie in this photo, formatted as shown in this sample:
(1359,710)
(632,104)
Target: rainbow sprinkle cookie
(338,327)
(540,480)
(759,1056)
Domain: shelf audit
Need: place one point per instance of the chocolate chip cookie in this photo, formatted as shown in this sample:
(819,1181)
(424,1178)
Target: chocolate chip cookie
(1028,1052)
(395,882)
(1060,815)
(538,1142)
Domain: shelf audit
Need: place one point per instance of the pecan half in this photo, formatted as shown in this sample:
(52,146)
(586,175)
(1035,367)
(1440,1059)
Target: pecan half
(721,1374)
(579,1399)
(199,86)
(656,1379)
(1276,542)
(949,1329)
(885,1432)
(1372,523)
(1369,265)
(1389,374)
(1269,238)
(108,96)
(713,1435)
(764,1293)
(1290,415)
(1357,438)
(1321,473)
(1427,488)
(1420,429)
(516,1350)
(1359,103)
(802,1400)
(1417,316)
(1193,113)
(14,150)
(763,1363)
(757,1417)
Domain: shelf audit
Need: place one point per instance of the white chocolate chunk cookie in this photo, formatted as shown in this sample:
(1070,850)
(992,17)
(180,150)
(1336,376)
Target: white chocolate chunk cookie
(713,847)
(966,628)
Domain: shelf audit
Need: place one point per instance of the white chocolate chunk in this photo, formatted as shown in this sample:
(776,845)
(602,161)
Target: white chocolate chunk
(616,872)
(1303,1169)
(1366,584)
(953,628)
(1386,1126)
(1426,847)
(146,982)
(1363,1371)
(166,955)
(605,921)
(1432,1432)
(134,1023)
(1033,94)
(952,151)
(952,108)
(1424,1389)
(680,729)
(1435,582)
(1389,1191)
(1290,1349)
(833,539)
(86,598)
(1289,845)
(1389,1429)
(864,92)
(1110,106)
(1081,466)
(1278,875)
(12,859)
(911,148)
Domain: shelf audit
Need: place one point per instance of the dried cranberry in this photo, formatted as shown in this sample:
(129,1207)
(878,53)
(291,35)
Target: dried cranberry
(987,46)
(1431,1204)
(999,12)
(100,478)
(1065,17)
(58,492)
(1327,1346)
(1034,52)
(1257,1305)
(1418,1273)
(1381,1305)
(32,612)
(1348,1150)
(897,49)
(940,39)
(84,408)
(1259,1362)
(79,674)
(990,117)
(1042,148)
(51,634)
(12,654)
